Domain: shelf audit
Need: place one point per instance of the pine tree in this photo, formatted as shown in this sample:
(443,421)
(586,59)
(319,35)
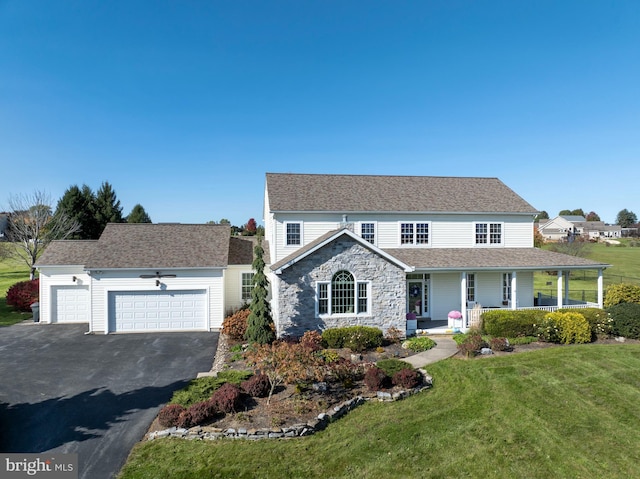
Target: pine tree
(138,215)
(259,323)
(79,205)
(108,209)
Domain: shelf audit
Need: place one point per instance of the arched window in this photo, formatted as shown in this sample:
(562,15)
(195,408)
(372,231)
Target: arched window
(343,295)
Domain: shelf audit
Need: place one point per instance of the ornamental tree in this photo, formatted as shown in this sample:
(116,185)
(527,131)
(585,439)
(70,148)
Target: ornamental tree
(259,323)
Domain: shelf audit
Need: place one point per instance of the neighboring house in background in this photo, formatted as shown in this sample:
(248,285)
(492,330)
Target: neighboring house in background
(146,277)
(370,250)
(562,228)
(4,224)
(340,250)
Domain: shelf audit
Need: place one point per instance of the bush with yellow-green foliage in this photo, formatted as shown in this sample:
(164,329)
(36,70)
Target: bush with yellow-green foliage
(621,293)
(565,328)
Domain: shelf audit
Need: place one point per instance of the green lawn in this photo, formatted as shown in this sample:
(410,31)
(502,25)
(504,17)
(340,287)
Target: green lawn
(563,412)
(625,267)
(11,272)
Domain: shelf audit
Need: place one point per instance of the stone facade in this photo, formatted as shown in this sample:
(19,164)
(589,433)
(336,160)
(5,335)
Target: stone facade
(296,289)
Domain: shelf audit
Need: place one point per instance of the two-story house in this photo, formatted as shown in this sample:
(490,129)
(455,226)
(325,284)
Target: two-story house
(340,250)
(370,250)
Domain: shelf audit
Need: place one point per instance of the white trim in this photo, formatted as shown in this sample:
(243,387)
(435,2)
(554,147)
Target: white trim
(284,229)
(242,273)
(414,243)
(488,244)
(375,230)
(351,234)
(356,282)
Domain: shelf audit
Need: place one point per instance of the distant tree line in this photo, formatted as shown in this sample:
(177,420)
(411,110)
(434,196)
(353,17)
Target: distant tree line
(250,228)
(625,218)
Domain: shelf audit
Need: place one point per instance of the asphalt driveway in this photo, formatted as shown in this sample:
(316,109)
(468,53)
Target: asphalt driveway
(95,395)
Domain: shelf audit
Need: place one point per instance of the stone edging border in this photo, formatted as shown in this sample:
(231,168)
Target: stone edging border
(209,433)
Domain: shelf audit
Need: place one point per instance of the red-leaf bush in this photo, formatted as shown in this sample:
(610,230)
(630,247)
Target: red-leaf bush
(202,412)
(169,415)
(256,386)
(226,398)
(235,326)
(312,340)
(21,295)
(375,378)
(407,378)
(184,420)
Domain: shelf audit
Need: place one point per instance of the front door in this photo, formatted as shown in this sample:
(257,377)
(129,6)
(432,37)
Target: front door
(418,297)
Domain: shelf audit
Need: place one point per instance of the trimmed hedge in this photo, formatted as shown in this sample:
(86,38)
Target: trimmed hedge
(356,338)
(512,323)
(626,320)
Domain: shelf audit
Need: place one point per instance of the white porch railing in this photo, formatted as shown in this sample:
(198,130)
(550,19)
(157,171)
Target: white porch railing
(474,314)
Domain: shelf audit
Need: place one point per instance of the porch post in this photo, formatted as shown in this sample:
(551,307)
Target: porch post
(560,280)
(463,299)
(600,289)
(514,290)
(566,288)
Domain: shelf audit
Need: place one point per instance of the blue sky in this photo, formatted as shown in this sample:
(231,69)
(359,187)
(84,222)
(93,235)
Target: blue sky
(184,105)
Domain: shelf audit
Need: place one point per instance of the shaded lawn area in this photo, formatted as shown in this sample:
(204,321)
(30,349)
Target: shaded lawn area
(569,412)
(11,272)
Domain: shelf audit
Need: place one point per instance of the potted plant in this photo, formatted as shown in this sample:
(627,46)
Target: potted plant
(454,320)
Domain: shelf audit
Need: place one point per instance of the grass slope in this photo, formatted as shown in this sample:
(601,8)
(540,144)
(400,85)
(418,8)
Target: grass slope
(11,272)
(560,412)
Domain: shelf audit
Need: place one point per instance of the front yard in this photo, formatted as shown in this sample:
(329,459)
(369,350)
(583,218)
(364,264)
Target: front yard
(567,411)
(11,272)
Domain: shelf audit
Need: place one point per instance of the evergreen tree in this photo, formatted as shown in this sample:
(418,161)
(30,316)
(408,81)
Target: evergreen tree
(626,218)
(138,215)
(79,205)
(259,322)
(108,209)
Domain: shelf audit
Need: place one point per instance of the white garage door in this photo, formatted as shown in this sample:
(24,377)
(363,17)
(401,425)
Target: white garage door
(138,311)
(70,304)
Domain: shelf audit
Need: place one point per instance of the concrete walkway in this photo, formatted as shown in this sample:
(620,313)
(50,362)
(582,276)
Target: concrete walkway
(445,348)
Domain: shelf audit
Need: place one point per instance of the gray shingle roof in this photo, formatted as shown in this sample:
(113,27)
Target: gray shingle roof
(241,250)
(366,193)
(67,252)
(489,258)
(123,245)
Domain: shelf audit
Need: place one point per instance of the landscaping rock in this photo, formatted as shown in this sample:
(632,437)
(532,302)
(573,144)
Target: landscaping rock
(486,351)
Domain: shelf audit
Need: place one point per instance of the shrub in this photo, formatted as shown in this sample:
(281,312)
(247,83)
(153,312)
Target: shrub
(202,412)
(23,294)
(343,371)
(201,389)
(471,343)
(226,398)
(393,335)
(511,323)
(419,344)
(169,415)
(626,320)
(407,378)
(312,340)
(356,338)
(621,293)
(184,420)
(565,328)
(235,326)
(392,366)
(523,340)
(375,379)
(500,344)
(256,386)
(329,355)
(598,319)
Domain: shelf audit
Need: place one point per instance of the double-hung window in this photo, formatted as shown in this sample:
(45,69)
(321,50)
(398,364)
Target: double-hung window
(247,286)
(506,286)
(368,232)
(293,234)
(471,287)
(343,295)
(488,233)
(414,233)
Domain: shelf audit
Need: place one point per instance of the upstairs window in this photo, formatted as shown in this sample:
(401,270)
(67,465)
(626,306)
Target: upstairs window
(414,233)
(293,234)
(368,232)
(488,233)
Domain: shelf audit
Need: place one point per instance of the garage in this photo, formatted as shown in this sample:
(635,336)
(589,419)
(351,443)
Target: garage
(70,304)
(145,311)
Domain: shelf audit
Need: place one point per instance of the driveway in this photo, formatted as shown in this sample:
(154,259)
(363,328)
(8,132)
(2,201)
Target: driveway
(95,395)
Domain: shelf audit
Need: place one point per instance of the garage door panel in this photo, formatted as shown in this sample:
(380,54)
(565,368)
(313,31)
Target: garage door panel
(70,304)
(137,311)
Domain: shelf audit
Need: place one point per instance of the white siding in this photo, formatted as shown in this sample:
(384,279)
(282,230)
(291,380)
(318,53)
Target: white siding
(210,280)
(233,287)
(445,294)
(52,277)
